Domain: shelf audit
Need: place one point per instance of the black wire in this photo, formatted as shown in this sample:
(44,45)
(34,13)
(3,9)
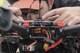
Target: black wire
(39,9)
(29,14)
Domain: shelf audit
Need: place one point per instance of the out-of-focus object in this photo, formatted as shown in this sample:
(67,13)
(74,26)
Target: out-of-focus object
(4,3)
(5,19)
(1,2)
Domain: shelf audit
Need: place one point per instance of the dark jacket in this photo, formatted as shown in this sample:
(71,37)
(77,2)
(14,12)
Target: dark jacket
(65,3)
(59,3)
(12,1)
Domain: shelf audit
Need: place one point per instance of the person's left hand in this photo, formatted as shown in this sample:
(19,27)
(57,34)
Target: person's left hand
(67,15)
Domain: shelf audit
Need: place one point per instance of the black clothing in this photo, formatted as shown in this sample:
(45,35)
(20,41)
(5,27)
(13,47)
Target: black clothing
(66,3)
(12,1)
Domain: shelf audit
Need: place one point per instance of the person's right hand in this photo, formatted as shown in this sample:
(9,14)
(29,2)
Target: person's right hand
(17,14)
(67,15)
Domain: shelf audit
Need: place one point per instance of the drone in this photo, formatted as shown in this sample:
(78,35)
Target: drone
(39,36)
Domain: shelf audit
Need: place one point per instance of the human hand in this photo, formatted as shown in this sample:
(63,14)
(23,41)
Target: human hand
(67,15)
(17,14)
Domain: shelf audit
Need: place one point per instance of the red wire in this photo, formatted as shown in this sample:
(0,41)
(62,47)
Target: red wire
(48,36)
(54,45)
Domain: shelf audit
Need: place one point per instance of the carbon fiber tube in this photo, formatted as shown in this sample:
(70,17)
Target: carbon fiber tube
(73,28)
(18,28)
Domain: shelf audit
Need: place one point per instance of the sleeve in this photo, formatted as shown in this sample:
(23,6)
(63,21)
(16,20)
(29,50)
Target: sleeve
(6,4)
(71,3)
(1,2)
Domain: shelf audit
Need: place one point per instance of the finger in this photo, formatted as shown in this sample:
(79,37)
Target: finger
(53,13)
(52,18)
(16,11)
(20,18)
(68,19)
(66,14)
(16,19)
(74,21)
(62,17)
(49,14)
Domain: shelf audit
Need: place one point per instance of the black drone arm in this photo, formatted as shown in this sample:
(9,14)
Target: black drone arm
(73,28)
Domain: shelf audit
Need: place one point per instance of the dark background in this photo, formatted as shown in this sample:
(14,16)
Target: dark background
(12,1)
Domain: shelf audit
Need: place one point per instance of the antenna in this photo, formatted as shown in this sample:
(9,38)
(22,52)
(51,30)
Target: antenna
(30,10)
(39,9)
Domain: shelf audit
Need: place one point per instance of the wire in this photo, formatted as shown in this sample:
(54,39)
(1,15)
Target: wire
(48,36)
(39,9)
(54,45)
(29,14)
